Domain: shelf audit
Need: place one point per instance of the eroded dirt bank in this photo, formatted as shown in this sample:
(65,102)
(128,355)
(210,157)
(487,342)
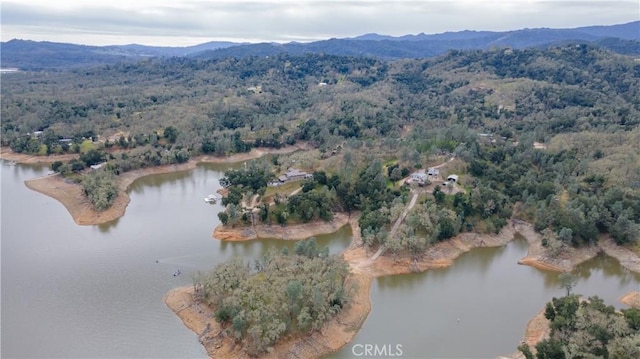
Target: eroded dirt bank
(627,258)
(291,232)
(631,299)
(7,154)
(537,330)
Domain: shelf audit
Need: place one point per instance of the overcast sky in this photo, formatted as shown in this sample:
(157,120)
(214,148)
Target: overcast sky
(190,22)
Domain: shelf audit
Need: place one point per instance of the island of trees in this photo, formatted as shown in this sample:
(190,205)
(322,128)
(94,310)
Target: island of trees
(282,295)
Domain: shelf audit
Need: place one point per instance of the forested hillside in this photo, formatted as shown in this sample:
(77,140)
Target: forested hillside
(365,118)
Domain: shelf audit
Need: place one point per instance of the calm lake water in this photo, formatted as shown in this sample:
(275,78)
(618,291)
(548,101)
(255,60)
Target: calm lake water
(72,291)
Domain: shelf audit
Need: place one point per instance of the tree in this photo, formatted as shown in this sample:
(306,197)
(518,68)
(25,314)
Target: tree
(565,235)
(76,165)
(55,166)
(320,177)
(171,134)
(396,174)
(554,246)
(224,218)
(92,157)
(264,212)
(567,281)
(101,189)
(438,195)
(526,351)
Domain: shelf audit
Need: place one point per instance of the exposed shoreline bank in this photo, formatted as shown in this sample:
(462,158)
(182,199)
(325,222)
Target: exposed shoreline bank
(77,204)
(632,299)
(7,154)
(83,213)
(290,232)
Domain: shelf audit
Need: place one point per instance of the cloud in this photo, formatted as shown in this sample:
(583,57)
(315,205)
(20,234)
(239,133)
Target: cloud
(300,20)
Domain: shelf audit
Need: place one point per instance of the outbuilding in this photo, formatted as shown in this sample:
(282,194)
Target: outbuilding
(433,172)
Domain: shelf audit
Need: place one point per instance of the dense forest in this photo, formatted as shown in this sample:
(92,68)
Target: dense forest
(550,134)
(283,294)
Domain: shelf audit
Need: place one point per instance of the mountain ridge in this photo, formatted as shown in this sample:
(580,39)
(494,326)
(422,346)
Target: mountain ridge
(34,55)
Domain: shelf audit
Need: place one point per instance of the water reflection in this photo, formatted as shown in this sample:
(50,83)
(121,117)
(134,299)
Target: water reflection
(336,242)
(158,180)
(107,227)
(601,266)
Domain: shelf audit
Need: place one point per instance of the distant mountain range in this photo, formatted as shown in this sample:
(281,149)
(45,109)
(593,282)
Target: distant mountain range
(25,54)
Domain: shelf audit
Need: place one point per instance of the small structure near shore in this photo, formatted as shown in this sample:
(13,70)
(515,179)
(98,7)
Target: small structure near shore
(292,175)
(211,199)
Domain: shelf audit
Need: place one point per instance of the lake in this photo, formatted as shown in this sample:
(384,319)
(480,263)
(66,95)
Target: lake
(72,291)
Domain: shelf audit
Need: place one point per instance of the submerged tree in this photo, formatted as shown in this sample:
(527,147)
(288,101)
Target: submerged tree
(567,281)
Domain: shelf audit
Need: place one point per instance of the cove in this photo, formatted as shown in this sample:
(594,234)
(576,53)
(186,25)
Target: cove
(96,291)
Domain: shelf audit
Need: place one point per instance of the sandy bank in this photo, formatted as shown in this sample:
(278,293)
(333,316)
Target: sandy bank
(537,257)
(331,337)
(83,213)
(627,258)
(78,205)
(631,299)
(7,154)
(291,232)
(536,331)
(440,255)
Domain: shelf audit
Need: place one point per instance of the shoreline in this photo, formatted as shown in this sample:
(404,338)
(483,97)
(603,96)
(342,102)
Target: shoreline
(631,299)
(340,330)
(8,155)
(536,256)
(71,197)
(537,330)
(443,254)
(275,231)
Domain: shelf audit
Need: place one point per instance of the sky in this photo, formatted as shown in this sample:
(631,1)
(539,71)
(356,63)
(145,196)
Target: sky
(191,22)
